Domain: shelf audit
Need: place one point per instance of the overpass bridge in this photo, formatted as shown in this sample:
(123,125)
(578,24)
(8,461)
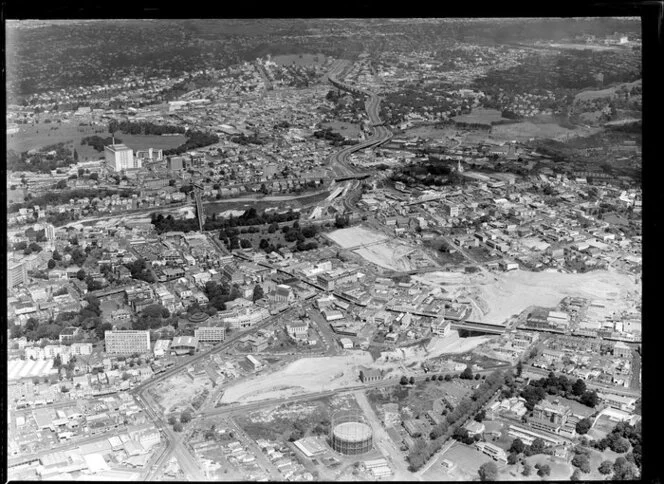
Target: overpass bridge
(478,326)
(359,176)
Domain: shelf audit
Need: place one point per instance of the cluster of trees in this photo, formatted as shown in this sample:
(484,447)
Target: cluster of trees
(536,390)
(41,162)
(143,127)
(220,294)
(88,317)
(619,440)
(57,198)
(244,140)
(227,225)
(329,135)
(98,143)
(454,419)
(140,270)
(152,317)
(436,173)
(27,248)
(195,139)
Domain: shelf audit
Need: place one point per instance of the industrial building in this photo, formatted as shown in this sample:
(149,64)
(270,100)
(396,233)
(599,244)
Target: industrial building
(120,157)
(350,434)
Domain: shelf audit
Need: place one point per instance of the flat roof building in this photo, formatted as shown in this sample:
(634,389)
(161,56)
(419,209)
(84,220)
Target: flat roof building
(210,333)
(126,342)
(120,157)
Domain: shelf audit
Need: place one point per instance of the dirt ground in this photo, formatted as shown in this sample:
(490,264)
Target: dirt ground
(506,294)
(354,236)
(328,373)
(178,392)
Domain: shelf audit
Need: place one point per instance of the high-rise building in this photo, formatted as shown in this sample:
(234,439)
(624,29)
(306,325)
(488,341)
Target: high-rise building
(150,154)
(17,273)
(120,157)
(126,342)
(174,163)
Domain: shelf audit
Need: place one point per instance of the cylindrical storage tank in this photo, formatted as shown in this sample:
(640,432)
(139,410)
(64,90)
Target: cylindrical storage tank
(352,438)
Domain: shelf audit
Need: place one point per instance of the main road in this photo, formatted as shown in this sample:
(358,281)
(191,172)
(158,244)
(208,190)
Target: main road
(380,134)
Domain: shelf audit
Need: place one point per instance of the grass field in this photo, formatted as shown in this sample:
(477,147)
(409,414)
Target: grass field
(300,59)
(480,115)
(44,134)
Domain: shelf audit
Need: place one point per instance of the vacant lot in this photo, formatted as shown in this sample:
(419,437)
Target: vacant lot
(279,422)
(355,236)
(348,130)
(177,393)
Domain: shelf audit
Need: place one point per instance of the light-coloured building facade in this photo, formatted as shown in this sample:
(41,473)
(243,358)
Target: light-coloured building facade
(120,157)
(210,333)
(126,342)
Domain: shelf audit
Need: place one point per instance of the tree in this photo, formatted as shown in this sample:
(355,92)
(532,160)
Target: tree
(56,255)
(177,427)
(185,417)
(605,468)
(481,415)
(576,475)
(412,380)
(583,426)
(448,377)
(619,445)
(582,462)
(172,420)
(517,446)
(404,380)
(512,458)
(527,469)
(544,470)
(467,374)
(623,470)
(579,387)
(258,293)
(100,330)
(488,471)
(519,368)
(537,447)
(589,399)
(51,264)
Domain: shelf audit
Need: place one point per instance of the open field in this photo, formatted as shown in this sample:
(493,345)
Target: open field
(263,202)
(143,142)
(301,376)
(41,134)
(176,393)
(388,256)
(480,115)
(348,130)
(506,294)
(300,59)
(433,132)
(467,461)
(526,129)
(329,373)
(354,236)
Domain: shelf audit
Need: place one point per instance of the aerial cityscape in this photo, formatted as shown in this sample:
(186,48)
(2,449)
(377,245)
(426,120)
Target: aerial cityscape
(324,249)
